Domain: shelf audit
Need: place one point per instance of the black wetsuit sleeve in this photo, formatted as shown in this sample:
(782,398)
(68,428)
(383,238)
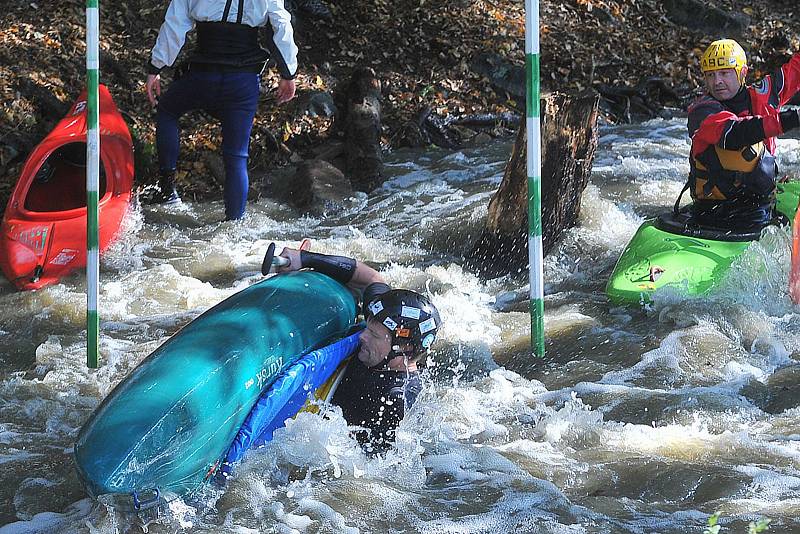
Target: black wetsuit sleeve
(700,111)
(740,134)
(790,120)
(340,268)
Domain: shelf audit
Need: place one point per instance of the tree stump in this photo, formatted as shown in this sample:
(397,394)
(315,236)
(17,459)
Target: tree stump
(569,141)
(360,121)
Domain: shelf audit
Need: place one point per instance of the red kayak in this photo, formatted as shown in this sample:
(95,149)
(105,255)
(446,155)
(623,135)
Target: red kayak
(43,234)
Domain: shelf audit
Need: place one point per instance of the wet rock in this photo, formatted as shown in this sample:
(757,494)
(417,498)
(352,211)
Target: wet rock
(216,167)
(316,187)
(697,15)
(317,104)
(38,372)
(313,9)
(502,74)
(465,134)
(481,139)
(756,392)
(784,389)
(331,151)
(7,153)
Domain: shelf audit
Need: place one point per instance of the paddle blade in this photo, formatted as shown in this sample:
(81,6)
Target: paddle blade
(266,265)
(794,268)
(271,261)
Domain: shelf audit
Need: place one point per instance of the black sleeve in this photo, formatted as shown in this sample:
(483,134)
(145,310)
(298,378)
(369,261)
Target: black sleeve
(740,134)
(340,268)
(275,56)
(790,120)
(701,109)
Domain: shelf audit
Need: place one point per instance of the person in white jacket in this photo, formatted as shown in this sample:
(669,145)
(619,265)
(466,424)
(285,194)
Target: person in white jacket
(223,79)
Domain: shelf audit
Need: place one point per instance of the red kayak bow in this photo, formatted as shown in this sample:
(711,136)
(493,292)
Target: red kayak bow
(43,233)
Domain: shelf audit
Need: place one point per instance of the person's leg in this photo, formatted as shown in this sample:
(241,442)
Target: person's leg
(707,213)
(752,214)
(239,103)
(181,96)
(744,214)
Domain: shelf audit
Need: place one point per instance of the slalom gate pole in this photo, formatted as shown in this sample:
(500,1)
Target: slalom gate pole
(534,161)
(92,181)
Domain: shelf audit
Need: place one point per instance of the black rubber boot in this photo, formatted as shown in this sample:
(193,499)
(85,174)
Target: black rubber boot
(169,195)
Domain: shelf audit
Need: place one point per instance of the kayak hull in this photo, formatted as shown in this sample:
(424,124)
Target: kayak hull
(43,233)
(666,253)
(165,427)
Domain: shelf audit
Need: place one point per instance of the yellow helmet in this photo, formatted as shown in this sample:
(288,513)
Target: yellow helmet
(724,54)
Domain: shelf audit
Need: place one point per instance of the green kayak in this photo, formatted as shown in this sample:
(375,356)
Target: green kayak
(666,251)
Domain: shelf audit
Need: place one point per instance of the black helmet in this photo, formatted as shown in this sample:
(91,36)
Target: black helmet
(410,317)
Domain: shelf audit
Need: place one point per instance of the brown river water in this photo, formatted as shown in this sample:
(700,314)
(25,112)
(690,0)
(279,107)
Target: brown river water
(637,420)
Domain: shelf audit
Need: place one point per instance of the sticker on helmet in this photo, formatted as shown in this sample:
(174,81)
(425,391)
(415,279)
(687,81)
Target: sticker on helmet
(410,312)
(427,326)
(403,332)
(427,341)
(375,307)
(389,323)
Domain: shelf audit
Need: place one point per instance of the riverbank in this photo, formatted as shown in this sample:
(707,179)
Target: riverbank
(423,53)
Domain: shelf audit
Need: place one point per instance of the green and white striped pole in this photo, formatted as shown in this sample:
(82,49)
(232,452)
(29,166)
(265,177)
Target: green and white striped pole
(92,181)
(533,128)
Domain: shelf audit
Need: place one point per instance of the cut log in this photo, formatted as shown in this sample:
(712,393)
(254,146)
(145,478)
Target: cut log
(569,141)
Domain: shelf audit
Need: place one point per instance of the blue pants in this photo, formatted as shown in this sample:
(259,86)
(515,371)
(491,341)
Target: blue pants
(230,97)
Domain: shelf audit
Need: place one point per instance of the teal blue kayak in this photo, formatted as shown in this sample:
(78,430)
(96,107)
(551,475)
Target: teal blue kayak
(670,251)
(164,428)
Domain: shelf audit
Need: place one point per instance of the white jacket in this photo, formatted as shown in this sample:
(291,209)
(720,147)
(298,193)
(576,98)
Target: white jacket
(182,15)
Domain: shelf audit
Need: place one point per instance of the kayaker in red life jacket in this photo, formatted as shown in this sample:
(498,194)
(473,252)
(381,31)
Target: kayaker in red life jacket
(733,129)
(382,381)
(223,79)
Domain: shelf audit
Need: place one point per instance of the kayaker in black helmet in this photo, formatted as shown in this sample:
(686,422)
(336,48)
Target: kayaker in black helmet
(382,381)
(223,79)
(733,129)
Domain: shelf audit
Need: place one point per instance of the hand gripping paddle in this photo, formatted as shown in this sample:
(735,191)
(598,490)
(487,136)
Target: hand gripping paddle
(271,261)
